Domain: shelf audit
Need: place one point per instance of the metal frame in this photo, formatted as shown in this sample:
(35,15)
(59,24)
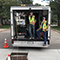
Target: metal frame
(32,8)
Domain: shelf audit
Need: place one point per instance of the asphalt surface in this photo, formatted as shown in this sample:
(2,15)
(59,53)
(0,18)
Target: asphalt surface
(50,53)
(54,42)
(40,54)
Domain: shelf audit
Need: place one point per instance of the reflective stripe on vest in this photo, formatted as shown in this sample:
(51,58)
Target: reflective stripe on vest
(44,26)
(32,19)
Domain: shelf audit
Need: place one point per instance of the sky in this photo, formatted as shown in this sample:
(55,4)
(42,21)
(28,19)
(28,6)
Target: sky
(46,2)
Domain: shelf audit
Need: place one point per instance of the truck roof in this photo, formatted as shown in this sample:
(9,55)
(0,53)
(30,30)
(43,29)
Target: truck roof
(32,7)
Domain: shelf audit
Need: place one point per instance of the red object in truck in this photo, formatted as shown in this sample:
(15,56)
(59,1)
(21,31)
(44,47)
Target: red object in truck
(42,35)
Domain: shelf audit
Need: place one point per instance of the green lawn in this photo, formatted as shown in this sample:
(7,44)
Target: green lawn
(4,26)
(56,27)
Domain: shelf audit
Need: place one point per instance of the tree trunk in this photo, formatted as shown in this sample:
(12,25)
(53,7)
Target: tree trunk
(58,20)
(0,22)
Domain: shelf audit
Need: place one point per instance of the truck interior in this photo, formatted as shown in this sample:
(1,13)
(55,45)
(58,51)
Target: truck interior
(24,30)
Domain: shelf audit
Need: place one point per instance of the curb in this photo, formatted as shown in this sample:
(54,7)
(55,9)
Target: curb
(4,30)
(55,30)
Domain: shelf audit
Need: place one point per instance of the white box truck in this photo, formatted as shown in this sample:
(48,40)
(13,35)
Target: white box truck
(20,25)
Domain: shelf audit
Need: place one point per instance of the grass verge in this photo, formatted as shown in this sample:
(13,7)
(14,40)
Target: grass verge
(56,27)
(4,26)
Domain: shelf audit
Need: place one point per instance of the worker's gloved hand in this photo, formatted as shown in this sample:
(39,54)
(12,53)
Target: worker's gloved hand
(30,22)
(44,30)
(33,23)
(37,29)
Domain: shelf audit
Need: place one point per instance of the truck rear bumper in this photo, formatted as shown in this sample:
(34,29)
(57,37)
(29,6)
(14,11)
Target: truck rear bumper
(29,44)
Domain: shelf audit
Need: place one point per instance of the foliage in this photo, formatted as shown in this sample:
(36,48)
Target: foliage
(38,4)
(26,1)
(53,18)
(55,6)
(4,26)
(56,27)
(6,4)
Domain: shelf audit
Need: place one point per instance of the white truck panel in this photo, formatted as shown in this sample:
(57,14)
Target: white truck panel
(49,22)
(36,44)
(29,44)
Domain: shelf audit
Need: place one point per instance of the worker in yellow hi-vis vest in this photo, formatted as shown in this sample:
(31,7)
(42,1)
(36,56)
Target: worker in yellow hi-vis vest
(43,28)
(32,21)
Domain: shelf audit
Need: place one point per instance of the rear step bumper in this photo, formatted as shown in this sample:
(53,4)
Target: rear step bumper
(29,43)
(27,39)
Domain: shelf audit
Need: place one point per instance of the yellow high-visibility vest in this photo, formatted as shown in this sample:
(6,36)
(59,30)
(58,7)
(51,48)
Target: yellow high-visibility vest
(31,19)
(44,26)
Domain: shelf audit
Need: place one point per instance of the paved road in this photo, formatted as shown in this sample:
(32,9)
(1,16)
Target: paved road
(54,43)
(50,53)
(40,54)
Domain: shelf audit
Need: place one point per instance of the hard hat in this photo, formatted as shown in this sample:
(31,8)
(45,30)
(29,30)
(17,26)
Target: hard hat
(44,17)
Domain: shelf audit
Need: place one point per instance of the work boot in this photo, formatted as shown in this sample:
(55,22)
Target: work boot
(38,38)
(30,38)
(44,44)
(41,38)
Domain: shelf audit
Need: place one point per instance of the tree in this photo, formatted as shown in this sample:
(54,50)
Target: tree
(6,4)
(38,4)
(26,1)
(55,6)
(5,8)
(53,18)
